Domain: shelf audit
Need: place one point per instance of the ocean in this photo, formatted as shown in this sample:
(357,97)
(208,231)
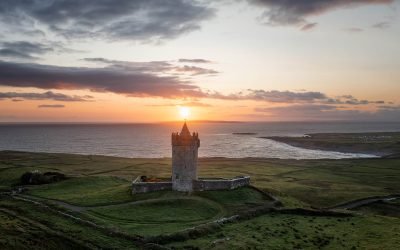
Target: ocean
(154,140)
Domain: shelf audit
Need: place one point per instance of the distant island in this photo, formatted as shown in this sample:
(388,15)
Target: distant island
(244,133)
(214,121)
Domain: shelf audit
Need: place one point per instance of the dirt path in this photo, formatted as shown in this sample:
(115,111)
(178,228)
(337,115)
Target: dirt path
(57,202)
(346,205)
(364,201)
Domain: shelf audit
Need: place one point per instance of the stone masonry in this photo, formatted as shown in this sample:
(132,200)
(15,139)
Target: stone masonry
(184,169)
(184,159)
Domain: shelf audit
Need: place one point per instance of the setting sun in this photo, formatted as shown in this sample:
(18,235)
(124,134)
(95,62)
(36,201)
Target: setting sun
(184,112)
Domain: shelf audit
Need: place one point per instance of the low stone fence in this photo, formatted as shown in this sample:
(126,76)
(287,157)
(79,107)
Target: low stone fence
(145,187)
(221,184)
(198,185)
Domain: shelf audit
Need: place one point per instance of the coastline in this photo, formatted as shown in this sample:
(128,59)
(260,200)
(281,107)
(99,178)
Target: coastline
(383,144)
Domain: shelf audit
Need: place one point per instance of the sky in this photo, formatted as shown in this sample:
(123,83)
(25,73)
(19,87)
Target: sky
(238,60)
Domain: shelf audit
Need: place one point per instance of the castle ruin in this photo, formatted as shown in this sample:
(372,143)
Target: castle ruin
(184,170)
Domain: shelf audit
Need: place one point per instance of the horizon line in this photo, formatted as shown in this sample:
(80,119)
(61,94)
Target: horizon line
(176,121)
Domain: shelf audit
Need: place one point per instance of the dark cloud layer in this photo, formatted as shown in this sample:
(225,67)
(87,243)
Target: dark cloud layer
(23,49)
(319,112)
(350,100)
(154,67)
(49,95)
(110,19)
(303,109)
(185,104)
(309,26)
(193,70)
(196,60)
(117,79)
(354,30)
(51,106)
(10,53)
(30,50)
(381,25)
(307,97)
(273,96)
(286,12)
(144,79)
(141,79)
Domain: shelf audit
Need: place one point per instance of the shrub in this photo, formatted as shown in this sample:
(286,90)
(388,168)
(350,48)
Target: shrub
(37,178)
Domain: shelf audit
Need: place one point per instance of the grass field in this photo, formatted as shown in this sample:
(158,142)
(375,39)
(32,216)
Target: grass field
(100,186)
(33,227)
(147,218)
(316,183)
(87,191)
(22,234)
(387,208)
(277,231)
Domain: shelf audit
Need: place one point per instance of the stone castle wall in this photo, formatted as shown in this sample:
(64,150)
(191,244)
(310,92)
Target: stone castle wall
(221,184)
(145,187)
(197,185)
(184,169)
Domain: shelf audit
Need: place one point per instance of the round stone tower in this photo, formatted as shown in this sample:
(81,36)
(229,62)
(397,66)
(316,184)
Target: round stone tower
(184,159)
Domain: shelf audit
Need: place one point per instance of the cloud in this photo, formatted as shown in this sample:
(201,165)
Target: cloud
(354,30)
(296,110)
(309,26)
(389,108)
(141,79)
(22,49)
(351,100)
(26,47)
(149,67)
(284,12)
(273,96)
(196,104)
(303,97)
(185,104)
(136,81)
(286,96)
(154,67)
(51,106)
(30,50)
(49,95)
(139,20)
(9,53)
(381,25)
(197,60)
(318,112)
(194,71)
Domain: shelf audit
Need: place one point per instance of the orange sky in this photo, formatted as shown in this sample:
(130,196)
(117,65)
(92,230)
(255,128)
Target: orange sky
(242,61)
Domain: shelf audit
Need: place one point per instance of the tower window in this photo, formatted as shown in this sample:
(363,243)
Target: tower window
(177,176)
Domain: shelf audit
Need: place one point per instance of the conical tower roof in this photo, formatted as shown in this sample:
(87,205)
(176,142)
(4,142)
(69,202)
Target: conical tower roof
(185,131)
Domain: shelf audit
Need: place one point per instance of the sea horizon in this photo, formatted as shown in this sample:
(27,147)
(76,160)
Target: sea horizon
(191,121)
(152,140)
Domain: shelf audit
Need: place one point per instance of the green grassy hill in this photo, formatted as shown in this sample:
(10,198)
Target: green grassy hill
(98,191)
